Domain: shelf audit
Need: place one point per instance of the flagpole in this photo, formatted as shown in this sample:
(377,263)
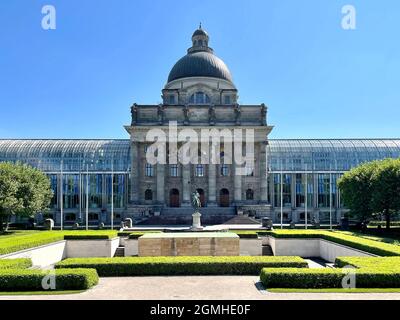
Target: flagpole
(112,196)
(62,196)
(87,196)
(306,200)
(281,197)
(330,201)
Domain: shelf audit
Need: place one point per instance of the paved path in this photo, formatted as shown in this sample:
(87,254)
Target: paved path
(196,288)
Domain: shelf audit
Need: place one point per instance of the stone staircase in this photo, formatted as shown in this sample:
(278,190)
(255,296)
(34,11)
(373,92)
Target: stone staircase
(120,252)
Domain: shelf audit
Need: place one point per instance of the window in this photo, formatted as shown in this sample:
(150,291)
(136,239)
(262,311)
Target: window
(227,99)
(149,170)
(173,170)
(199,98)
(171,99)
(148,195)
(199,170)
(282,187)
(224,170)
(249,194)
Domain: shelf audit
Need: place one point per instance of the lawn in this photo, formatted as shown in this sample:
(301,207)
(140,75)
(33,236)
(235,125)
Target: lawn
(19,240)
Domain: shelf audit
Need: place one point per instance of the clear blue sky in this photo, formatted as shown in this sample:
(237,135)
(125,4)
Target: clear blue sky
(319,80)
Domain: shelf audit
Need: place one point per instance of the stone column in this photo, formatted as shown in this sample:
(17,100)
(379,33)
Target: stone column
(186,185)
(237,182)
(135,173)
(212,185)
(160,183)
(263,173)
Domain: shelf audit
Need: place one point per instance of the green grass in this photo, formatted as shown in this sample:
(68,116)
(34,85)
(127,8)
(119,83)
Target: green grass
(41,293)
(20,240)
(369,244)
(141,266)
(334,290)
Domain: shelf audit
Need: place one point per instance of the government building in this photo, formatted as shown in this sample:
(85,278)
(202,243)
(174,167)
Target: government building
(107,181)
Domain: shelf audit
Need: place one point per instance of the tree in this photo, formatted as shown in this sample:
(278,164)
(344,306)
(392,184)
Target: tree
(386,189)
(24,191)
(356,187)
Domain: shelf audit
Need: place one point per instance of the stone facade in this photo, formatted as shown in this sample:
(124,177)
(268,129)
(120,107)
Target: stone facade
(197,103)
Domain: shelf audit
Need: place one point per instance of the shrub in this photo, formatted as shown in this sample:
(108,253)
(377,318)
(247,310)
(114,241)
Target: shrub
(327,278)
(88,237)
(137,234)
(246,234)
(31,280)
(21,263)
(376,263)
(367,245)
(140,266)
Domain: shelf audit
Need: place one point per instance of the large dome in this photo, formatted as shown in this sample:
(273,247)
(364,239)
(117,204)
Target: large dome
(200,61)
(200,64)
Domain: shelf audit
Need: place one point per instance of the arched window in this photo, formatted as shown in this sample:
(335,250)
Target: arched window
(148,194)
(199,98)
(249,194)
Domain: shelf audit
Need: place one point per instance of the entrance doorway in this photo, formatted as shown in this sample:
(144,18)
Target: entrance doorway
(202,197)
(224,198)
(174,198)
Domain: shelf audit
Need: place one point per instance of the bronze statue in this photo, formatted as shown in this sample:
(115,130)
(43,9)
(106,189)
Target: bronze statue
(196,202)
(134,111)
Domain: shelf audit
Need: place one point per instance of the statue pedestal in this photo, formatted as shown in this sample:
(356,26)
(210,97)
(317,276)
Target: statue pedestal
(196,225)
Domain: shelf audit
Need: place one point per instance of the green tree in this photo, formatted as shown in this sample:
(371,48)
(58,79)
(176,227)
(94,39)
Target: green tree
(386,188)
(356,187)
(24,191)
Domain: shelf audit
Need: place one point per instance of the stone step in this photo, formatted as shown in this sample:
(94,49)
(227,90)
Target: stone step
(267,250)
(120,252)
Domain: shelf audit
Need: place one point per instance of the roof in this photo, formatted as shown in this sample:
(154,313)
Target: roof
(282,154)
(200,64)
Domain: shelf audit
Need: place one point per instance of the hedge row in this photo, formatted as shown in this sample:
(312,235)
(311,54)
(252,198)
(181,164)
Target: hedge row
(31,280)
(26,240)
(141,266)
(367,245)
(21,263)
(376,263)
(327,278)
(88,237)
(137,234)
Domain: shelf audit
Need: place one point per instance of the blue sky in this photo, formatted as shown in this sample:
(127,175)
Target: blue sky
(319,80)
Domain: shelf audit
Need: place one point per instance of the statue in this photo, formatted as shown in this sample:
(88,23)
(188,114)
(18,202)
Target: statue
(263,114)
(134,111)
(196,224)
(211,115)
(186,115)
(237,114)
(160,114)
(196,202)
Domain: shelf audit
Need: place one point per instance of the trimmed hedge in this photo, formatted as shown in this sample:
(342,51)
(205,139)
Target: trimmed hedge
(29,239)
(246,234)
(137,234)
(367,245)
(31,280)
(327,278)
(88,237)
(21,263)
(141,266)
(376,263)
